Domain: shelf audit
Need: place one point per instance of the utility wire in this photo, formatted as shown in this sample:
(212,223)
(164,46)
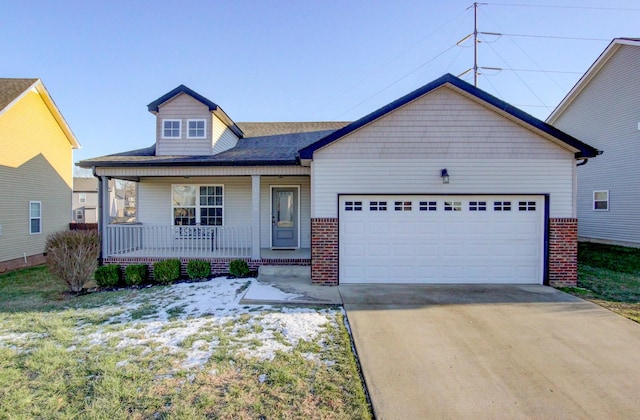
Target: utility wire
(553,6)
(547,36)
(534,71)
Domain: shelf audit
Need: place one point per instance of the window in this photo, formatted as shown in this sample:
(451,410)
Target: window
(527,206)
(402,205)
(35,217)
(82,197)
(378,206)
(428,206)
(453,206)
(601,200)
(79,214)
(197,205)
(502,205)
(170,129)
(477,206)
(196,129)
(353,205)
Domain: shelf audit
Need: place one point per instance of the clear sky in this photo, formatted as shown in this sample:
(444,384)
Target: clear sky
(104,61)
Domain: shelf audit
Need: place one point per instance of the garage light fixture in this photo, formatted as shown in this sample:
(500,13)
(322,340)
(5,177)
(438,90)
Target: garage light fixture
(445,176)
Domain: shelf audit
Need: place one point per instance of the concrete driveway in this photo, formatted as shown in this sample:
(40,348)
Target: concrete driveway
(492,352)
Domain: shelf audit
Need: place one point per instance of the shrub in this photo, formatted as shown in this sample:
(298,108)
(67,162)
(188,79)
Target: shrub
(198,269)
(166,271)
(73,256)
(238,268)
(107,275)
(135,274)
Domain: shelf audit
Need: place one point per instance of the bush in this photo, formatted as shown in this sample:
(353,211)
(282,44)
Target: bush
(167,271)
(198,269)
(107,275)
(135,274)
(73,256)
(238,268)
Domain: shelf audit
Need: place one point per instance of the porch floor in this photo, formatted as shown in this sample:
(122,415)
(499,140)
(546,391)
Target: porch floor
(265,253)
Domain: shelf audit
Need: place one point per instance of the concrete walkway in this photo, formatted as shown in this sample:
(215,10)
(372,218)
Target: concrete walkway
(492,352)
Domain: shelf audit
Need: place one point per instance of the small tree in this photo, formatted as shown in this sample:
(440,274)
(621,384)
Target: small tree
(72,256)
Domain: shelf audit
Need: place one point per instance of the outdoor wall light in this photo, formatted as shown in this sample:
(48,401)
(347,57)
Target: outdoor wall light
(445,176)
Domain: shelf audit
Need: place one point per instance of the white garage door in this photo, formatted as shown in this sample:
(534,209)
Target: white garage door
(441,239)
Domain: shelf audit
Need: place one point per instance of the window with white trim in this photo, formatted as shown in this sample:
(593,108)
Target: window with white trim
(196,129)
(82,197)
(35,217)
(79,214)
(601,200)
(197,205)
(171,129)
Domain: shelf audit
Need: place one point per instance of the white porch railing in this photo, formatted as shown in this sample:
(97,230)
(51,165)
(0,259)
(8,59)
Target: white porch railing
(139,240)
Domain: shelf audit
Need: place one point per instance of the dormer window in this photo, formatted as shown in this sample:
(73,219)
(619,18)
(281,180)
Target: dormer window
(170,129)
(196,129)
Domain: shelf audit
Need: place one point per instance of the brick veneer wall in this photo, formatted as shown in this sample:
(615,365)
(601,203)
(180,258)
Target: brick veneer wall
(32,260)
(324,251)
(563,252)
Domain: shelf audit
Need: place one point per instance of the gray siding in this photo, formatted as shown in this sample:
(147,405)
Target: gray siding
(605,114)
(90,207)
(403,153)
(35,180)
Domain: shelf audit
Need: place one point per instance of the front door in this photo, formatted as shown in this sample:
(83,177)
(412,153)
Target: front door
(284,217)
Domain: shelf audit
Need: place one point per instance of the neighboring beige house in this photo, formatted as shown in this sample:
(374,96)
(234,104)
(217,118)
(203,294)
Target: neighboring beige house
(447,184)
(603,108)
(35,171)
(85,200)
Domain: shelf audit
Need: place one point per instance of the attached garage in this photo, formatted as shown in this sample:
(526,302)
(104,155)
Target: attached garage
(441,239)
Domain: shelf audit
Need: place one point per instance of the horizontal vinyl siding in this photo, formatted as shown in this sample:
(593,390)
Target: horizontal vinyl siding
(606,115)
(204,171)
(183,107)
(422,176)
(265,208)
(443,124)
(222,138)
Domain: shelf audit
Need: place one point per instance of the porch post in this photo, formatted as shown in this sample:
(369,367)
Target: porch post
(255,217)
(104,212)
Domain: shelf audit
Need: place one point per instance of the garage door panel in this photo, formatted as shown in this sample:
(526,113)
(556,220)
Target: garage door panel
(489,239)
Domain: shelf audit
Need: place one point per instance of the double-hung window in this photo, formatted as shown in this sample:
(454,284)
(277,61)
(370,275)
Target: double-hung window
(35,217)
(601,200)
(171,129)
(197,205)
(196,129)
(82,197)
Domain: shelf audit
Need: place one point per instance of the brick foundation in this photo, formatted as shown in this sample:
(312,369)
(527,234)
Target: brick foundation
(563,252)
(32,260)
(324,251)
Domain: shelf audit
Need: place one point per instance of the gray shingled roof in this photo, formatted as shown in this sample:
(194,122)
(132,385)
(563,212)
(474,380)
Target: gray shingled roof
(10,89)
(263,144)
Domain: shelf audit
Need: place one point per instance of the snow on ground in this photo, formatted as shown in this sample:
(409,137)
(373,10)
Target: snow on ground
(192,319)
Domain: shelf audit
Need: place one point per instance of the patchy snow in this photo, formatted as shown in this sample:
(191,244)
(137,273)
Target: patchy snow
(191,319)
(265,291)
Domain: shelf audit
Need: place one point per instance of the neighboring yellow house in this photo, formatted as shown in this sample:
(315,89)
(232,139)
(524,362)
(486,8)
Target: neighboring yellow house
(36,171)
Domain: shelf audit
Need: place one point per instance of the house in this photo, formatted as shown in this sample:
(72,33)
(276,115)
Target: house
(447,184)
(85,200)
(35,171)
(603,108)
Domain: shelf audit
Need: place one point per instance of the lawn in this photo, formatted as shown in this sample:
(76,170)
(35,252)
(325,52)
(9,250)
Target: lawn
(184,351)
(610,276)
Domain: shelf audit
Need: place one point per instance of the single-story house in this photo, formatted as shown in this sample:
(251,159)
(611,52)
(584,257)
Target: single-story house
(447,184)
(603,108)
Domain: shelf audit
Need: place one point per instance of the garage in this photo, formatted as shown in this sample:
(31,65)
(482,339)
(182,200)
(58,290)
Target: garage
(441,239)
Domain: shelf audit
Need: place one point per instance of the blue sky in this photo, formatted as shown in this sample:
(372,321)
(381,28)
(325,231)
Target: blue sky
(104,61)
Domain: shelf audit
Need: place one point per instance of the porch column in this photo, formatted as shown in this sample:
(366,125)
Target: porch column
(255,217)
(103,212)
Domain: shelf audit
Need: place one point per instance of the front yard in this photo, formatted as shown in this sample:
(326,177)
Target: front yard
(184,351)
(610,276)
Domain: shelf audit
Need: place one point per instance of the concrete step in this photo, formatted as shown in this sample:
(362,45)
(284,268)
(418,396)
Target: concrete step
(267,272)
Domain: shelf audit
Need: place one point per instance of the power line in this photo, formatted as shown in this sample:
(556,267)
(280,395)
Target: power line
(553,6)
(547,36)
(533,70)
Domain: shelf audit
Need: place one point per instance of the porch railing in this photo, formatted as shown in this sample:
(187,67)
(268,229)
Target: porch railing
(142,240)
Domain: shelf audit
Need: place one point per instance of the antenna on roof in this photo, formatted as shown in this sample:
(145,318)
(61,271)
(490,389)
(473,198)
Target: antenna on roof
(475,43)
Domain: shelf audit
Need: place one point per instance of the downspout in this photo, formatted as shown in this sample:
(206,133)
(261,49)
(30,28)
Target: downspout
(584,162)
(101,212)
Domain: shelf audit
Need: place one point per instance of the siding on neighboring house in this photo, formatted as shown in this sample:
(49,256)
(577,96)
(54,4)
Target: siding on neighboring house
(404,152)
(155,202)
(183,107)
(606,115)
(35,165)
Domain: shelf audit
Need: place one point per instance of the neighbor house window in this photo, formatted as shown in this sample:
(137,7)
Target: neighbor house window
(82,197)
(35,217)
(601,200)
(197,204)
(79,214)
(170,129)
(196,129)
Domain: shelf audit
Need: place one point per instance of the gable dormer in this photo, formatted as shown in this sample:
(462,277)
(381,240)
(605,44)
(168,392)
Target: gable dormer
(189,124)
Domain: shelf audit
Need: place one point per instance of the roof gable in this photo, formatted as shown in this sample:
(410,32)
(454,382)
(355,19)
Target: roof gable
(584,150)
(213,107)
(586,78)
